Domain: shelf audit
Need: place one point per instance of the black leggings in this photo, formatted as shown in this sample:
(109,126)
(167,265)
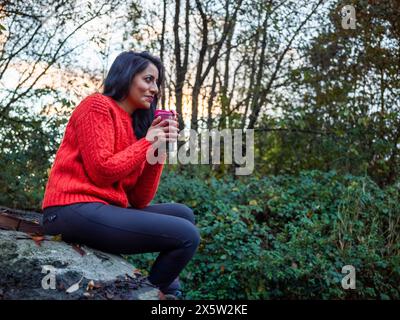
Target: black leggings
(166,228)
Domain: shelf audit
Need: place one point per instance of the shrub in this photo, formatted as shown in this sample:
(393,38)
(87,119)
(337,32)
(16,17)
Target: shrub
(288,236)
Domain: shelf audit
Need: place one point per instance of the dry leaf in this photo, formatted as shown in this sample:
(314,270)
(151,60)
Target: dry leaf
(57,237)
(78,249)
(74,287)
(37,238)
(127,276)
(109,295)
(90,285)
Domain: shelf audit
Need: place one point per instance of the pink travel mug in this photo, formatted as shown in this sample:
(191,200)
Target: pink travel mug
(166,114)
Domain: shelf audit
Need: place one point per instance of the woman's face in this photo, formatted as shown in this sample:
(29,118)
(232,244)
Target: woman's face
(144,88)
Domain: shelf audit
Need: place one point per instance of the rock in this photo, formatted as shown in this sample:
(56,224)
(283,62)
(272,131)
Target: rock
(46,269)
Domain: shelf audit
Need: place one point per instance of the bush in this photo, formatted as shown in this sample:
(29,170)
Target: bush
(288,236)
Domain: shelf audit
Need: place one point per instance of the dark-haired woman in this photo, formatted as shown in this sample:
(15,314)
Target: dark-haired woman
(102,167)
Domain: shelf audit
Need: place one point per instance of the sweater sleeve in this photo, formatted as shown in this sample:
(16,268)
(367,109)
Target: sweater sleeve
(145,188)
(95,134)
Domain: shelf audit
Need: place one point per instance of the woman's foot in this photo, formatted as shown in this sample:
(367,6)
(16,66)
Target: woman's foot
(178,295)
(173,292)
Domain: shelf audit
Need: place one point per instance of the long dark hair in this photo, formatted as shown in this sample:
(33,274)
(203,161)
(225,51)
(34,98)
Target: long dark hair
(119,79)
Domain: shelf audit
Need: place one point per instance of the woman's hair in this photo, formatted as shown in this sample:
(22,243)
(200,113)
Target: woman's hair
(119,79)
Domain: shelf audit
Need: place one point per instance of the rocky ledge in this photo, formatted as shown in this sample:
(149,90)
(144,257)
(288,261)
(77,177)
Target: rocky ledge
(36,267)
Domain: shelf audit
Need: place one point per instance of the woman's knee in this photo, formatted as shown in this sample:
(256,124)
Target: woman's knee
(191,235)
(186,212)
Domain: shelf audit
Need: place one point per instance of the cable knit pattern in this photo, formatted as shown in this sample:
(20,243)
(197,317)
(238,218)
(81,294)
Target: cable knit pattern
(100,159)
(141,194)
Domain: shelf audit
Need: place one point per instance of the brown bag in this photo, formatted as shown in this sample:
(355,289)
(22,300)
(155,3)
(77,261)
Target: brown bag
(9,221)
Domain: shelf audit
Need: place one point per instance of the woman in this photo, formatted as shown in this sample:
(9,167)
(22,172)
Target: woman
(101,167)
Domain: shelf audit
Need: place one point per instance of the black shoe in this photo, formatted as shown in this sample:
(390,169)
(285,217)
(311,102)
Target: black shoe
(178,295)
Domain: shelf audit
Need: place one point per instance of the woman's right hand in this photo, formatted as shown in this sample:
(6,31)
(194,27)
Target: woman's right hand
(162,132)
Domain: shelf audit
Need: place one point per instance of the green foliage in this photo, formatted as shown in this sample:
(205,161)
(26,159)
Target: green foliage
(27,148)
(288,236)
(346,116)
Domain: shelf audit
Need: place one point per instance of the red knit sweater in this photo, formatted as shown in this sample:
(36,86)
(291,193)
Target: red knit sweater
(100,159)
